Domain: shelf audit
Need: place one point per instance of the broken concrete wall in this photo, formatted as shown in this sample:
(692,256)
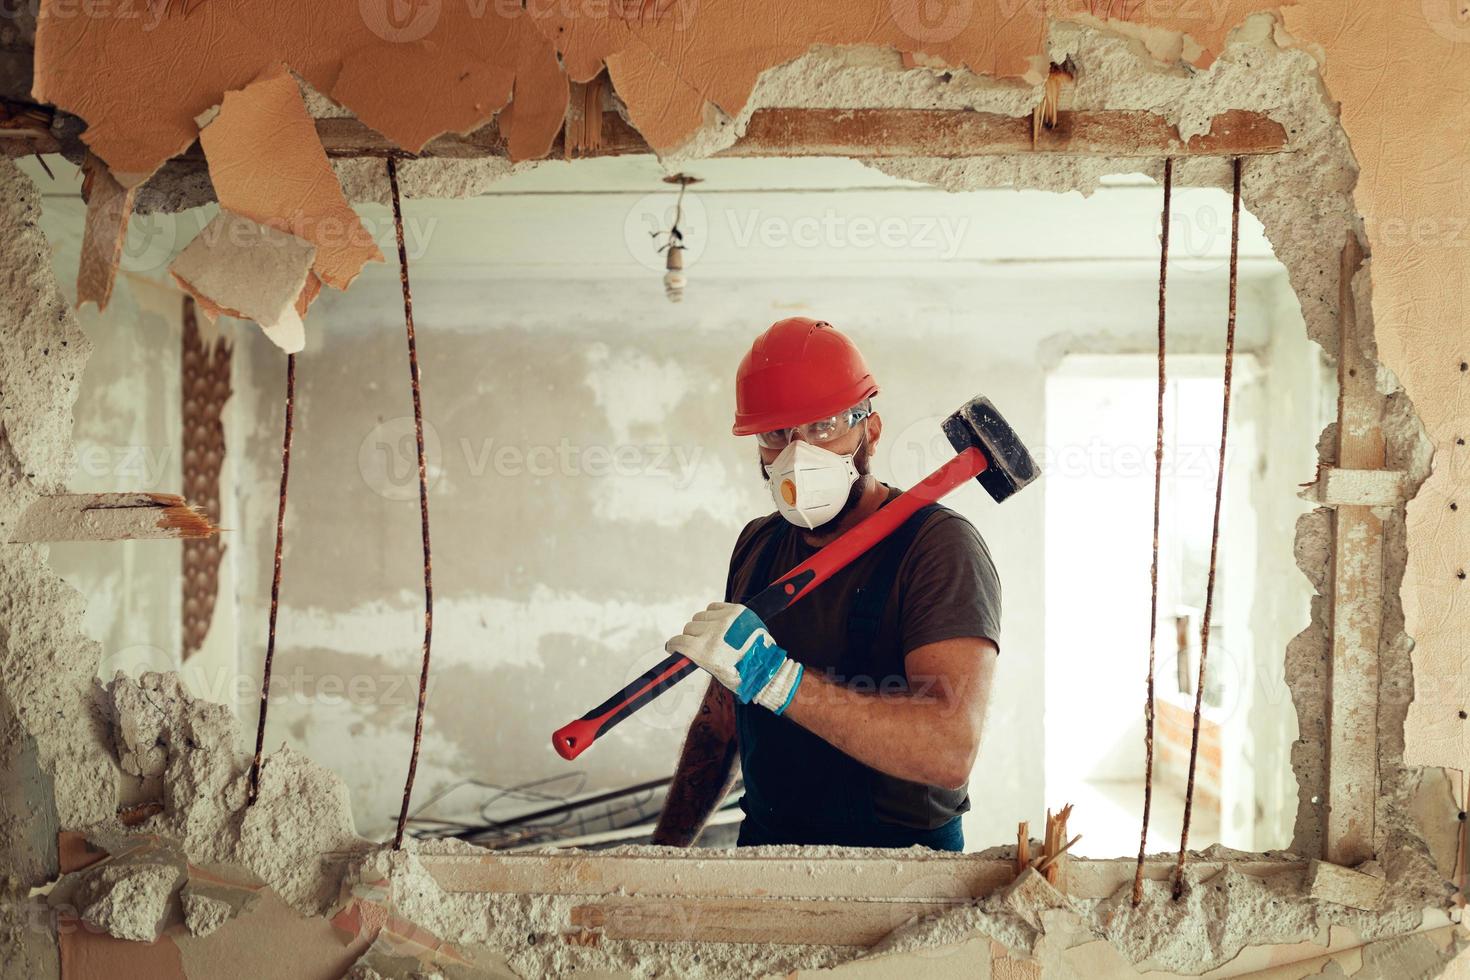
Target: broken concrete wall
(1412,196)
(127,427)
(52,724)
(1303,200)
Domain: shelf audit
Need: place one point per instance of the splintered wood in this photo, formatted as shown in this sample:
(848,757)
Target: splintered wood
(1046,113)
(582,132)
(1053,846)
(110,517)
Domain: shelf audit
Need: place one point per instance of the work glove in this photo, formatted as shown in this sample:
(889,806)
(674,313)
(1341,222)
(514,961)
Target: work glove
(732,643)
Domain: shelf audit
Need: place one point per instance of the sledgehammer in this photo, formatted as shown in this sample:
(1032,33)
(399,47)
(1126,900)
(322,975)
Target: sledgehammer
(988,450)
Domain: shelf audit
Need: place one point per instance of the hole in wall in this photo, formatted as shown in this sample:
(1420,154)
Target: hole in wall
(585,491)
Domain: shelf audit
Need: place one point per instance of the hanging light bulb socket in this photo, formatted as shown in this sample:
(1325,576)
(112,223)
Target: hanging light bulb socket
(673,245)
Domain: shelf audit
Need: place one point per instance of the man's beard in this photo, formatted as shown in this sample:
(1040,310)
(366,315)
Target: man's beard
(861,461)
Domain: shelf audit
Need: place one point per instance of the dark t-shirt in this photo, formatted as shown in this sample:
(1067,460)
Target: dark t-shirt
(946,587)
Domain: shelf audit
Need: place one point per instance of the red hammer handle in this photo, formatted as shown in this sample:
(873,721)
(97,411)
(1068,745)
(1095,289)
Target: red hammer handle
(572,740)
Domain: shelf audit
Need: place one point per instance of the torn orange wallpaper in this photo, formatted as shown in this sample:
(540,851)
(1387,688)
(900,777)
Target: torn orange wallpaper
(267,165)
(415,70)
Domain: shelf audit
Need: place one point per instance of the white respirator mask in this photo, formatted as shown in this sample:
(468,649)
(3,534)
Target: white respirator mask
(810,484)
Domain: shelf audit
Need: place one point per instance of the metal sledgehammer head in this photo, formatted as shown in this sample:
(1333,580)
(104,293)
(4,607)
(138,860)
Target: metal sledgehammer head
(1009,465)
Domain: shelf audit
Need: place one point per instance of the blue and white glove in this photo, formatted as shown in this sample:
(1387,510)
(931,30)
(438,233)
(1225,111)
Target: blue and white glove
(732,643)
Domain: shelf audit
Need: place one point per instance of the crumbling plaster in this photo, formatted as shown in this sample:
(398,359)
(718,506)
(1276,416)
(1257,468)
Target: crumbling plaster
(1308,200)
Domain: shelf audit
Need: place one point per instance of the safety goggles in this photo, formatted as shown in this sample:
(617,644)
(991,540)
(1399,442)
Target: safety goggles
(818,433)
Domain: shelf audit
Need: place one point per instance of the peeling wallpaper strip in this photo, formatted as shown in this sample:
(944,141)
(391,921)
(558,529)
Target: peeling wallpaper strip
(238,267)
(266,164)
(109,205)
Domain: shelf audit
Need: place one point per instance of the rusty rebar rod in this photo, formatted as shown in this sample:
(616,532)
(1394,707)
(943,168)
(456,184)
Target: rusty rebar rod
(1153,574)
(1204,639)
(270,641)
(418,426)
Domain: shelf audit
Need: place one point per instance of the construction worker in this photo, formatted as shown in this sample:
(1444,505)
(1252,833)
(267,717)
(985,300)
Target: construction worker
(856,714)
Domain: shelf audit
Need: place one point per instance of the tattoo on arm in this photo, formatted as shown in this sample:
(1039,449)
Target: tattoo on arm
(705,773)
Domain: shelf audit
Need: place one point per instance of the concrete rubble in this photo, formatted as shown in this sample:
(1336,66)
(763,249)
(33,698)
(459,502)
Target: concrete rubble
(129,903)
(93,745)
(205,911)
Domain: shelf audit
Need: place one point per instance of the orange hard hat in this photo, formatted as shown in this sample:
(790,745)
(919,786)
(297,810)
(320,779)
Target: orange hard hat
(798,371)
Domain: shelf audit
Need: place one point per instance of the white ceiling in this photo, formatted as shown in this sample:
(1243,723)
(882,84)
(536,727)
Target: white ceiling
(592,219)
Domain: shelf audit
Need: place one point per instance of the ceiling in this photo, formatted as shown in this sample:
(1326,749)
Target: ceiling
(830,217)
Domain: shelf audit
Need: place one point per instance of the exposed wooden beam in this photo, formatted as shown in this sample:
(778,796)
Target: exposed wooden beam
(708,874)
(865,134)
(26,129)
(734,920)
(712,896)
(1366,488)
(957,133)
(878,134)
(1357,597)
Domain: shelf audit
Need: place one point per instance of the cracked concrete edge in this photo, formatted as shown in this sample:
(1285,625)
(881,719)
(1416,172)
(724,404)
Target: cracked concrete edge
(1304,200)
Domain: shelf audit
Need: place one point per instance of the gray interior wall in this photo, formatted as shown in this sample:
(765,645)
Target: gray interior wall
(586,493)
(127,432)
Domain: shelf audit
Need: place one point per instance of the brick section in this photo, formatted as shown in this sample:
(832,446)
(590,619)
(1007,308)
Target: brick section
(1173,725)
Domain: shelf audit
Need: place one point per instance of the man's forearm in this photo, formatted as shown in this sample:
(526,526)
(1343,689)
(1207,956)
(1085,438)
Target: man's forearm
(928,736)
(705,772)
